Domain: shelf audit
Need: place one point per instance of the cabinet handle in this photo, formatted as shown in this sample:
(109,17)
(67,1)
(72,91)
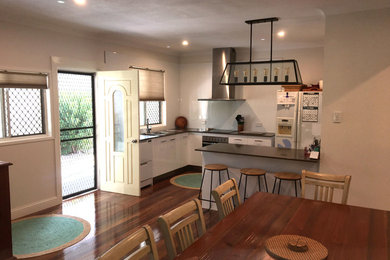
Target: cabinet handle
(144,163)
(173,139)
(164,141)
(259,141)
(238,139)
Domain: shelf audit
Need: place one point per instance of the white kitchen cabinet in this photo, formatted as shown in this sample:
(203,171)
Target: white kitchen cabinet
(172,158)
(176,151)
(146,163)
(238,140)
(168,154)
(260,141)
(160,156)
(194,141)
(181,149)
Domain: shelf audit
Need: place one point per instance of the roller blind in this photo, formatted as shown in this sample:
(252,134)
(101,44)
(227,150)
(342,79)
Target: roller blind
(151,85)
(22,80)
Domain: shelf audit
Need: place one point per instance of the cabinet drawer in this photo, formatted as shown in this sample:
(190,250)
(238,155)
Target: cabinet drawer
(145,171)
(260,142)
(238,140)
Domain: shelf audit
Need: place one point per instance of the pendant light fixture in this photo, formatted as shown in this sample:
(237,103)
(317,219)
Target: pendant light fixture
(271,72)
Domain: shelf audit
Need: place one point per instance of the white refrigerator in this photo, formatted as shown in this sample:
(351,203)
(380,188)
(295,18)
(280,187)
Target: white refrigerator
(298,118)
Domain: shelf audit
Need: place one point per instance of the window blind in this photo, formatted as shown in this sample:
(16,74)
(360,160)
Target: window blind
(22,80)
(151,85)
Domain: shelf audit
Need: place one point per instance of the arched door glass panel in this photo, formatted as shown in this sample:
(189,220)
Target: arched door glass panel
(118,121)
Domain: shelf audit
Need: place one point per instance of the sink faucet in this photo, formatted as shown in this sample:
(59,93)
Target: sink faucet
(148,128)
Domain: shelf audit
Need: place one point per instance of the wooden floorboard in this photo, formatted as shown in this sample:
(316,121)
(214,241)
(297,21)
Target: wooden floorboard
(115,216)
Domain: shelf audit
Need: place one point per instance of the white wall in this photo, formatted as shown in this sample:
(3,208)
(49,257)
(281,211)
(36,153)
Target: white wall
(35,174)
(356,82)
(260,104)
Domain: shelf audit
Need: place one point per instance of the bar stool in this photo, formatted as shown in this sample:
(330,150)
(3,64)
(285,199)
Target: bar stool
(287,176)
(252,172)
(212,168)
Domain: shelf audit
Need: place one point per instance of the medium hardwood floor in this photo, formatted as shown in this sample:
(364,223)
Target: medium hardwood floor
(115,216)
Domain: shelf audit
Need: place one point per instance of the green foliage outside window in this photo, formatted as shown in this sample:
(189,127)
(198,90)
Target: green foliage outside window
(75,112)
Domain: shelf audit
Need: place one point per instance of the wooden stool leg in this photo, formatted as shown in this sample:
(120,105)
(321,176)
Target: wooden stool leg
(273,189)
(295,184)
(211,186)
(227,170)
(239,183)
(219,173)
(280,184)
(265,181)
(246,179)
(201,184)
(258,180)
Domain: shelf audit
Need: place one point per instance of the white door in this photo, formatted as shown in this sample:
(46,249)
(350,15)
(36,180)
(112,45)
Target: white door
(120,130)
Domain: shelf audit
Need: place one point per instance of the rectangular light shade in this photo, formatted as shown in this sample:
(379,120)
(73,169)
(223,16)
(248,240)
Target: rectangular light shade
(22,80)
(275,72)
(151,85)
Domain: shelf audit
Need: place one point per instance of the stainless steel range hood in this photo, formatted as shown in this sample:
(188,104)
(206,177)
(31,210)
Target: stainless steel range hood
(221,56)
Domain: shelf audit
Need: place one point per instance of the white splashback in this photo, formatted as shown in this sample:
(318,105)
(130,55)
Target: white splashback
(259,107)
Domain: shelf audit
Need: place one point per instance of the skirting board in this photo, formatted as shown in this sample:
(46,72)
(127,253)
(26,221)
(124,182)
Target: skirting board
(34,207)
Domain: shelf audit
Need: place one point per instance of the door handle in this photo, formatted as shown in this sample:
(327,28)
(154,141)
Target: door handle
(134,141)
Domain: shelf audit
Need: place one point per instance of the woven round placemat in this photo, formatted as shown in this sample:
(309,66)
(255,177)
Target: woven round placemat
(277,247)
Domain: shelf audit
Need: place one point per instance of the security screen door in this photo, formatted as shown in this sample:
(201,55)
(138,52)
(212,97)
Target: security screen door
(77,132)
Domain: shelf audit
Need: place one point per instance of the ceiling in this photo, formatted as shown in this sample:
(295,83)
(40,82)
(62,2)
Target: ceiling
(205,24)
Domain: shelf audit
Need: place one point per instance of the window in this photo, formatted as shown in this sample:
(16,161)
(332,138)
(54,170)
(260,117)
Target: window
(21,112)
(151,110)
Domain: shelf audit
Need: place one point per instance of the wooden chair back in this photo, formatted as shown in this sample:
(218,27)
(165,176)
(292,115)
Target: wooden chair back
(227,198)
(325,185)
(134,247)
(182,226)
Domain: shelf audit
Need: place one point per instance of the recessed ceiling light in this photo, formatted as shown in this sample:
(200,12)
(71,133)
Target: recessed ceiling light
(184,43)
(262,39)
(281,33)
(115,52)
(168,46)
(80,2)
(61,2)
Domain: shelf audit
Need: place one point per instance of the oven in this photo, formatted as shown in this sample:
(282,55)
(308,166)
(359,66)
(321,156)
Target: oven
(209,140)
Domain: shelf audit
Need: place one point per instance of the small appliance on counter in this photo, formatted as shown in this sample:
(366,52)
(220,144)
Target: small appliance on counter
(240,123)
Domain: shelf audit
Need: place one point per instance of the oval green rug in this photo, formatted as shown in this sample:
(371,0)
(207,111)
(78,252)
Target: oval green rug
(39,235)
(188,181)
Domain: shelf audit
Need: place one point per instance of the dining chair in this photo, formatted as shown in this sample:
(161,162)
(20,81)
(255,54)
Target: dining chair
(227,198)
(182,226)
(325,184)
(136,246)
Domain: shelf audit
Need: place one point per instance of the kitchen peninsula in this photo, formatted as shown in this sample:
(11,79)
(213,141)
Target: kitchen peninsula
(270,159)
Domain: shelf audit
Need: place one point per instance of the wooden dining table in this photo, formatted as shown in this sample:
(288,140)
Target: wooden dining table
(348,232)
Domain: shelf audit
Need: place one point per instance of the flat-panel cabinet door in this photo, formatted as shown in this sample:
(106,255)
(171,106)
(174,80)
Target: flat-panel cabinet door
(172,160)
(160,156)
(194,157)
(181,150)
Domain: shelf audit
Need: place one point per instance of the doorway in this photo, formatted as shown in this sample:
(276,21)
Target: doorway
(77,132)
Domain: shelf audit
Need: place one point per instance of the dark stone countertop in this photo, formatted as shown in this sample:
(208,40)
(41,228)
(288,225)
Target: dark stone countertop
(163,133)
(258,151)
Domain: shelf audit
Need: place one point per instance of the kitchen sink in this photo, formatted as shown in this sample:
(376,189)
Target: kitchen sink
(162,133)
(159,133)
(151,134)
